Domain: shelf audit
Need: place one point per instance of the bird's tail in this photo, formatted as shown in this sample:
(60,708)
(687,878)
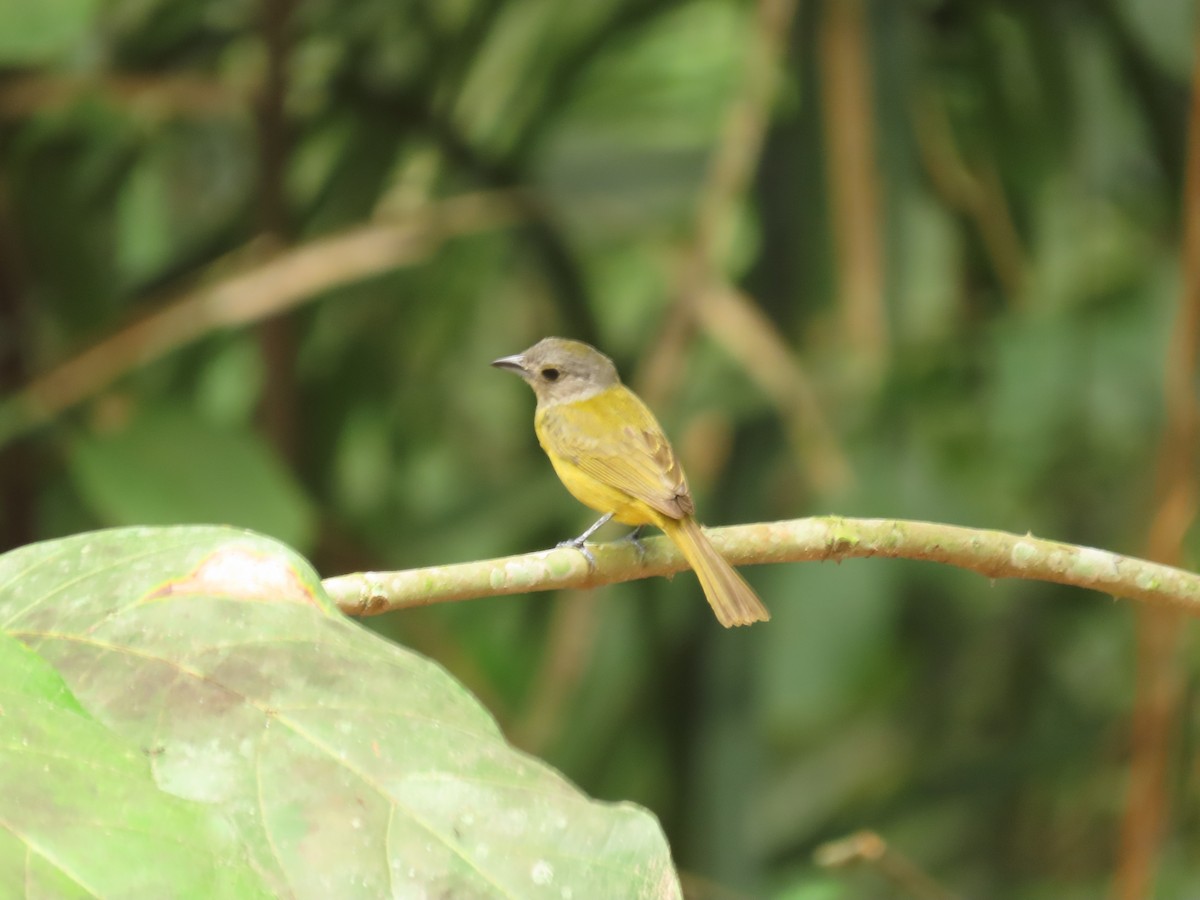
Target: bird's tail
(731,598)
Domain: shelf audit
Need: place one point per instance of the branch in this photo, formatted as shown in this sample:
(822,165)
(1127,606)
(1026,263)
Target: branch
(866,848)
(855,177)
(283,282)
(157,97)
(278,406)
(995,554)
(740,326)
(729,178)
(976,192)
(1154,728)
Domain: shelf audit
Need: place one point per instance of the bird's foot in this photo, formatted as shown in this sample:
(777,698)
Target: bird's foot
(581,545)
(635,537)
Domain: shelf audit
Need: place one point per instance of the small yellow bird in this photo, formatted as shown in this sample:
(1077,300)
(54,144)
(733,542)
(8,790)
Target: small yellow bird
(612,455)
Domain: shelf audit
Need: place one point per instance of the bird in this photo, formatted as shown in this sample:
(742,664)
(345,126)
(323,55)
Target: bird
(610,452)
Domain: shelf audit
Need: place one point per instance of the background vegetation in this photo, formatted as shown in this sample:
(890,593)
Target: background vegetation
(917,259)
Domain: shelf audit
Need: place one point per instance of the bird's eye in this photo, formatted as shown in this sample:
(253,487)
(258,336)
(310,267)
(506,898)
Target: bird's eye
(550,373)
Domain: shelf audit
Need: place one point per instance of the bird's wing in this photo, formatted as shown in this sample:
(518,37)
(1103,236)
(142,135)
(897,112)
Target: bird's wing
(614,438)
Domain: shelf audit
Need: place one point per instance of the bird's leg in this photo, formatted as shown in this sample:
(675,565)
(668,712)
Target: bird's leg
(579,542)
(592,529)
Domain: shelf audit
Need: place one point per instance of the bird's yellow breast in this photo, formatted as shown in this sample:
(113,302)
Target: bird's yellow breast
(602,497)
(610,453)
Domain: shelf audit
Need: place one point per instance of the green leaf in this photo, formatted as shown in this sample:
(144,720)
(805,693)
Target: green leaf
(39,32)
(24,672)
(347,766)
(82,815)
(169,467)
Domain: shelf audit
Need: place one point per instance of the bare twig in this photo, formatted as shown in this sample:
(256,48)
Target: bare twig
(729,176)
(849,115)
(703,295)
(739,325)
(281,283)
(866,848)
(278,406)
(979,195)
(18,498)
(995,554)
(1159,667)
(154,96)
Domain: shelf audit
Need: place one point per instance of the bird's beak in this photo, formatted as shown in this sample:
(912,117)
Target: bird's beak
(515,363)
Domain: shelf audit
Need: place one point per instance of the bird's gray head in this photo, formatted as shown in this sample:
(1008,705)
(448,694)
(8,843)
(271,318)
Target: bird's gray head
(562,371)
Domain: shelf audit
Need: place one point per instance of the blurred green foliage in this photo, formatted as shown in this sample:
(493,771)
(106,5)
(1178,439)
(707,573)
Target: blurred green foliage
(1029,171)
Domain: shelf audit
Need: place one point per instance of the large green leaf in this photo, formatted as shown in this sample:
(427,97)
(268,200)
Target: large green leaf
(347,766)
(81,814)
